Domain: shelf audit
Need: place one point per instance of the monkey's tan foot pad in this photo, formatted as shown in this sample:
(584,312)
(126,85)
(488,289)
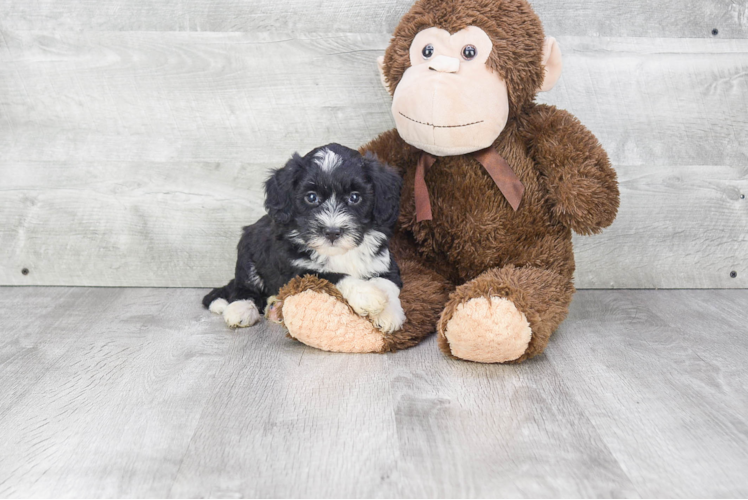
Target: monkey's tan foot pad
(315,313)
(486,330)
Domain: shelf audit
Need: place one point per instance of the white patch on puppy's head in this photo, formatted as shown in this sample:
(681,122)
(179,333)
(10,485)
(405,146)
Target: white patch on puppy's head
(327,160)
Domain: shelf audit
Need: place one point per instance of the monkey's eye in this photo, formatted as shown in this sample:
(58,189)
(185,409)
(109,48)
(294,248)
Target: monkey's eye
(428,51)
(311,198)
(469,52)
(354,198)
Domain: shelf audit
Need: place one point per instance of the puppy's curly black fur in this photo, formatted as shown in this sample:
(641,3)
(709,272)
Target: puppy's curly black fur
(330,213)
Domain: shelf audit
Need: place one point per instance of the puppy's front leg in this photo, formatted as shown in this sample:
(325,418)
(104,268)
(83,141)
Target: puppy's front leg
(392,316)
(366,298)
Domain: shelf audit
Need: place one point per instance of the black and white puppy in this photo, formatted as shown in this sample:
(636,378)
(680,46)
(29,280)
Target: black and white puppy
(331,214)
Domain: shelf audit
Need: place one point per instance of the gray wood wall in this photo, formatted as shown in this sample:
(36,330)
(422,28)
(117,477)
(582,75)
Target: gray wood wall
(135,135)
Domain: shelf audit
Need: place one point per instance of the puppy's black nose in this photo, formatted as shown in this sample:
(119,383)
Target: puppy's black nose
(332,233)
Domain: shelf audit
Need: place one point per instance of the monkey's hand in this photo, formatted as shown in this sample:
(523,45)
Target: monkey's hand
(576,170)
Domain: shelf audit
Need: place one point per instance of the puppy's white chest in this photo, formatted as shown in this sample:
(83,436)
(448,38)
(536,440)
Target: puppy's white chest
(361,262)
(357,263)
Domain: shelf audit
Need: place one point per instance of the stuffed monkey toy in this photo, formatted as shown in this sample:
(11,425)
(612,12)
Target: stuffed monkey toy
(493,186)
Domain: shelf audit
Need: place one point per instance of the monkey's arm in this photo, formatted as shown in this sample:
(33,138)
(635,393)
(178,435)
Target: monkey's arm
(582,184)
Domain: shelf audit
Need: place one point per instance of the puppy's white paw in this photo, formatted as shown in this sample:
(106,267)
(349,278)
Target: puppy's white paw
(241,313)
(364,297)
(218,306)
(392,316)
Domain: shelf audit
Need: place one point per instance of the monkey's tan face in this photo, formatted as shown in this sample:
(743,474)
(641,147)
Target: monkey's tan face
(449,102)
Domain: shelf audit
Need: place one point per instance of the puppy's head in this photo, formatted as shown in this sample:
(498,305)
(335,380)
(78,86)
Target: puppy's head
(332,198)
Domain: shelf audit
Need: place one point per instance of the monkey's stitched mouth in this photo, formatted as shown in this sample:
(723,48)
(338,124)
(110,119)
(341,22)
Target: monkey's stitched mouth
(440,126)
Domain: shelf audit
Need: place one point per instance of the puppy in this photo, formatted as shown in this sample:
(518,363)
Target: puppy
(330,214)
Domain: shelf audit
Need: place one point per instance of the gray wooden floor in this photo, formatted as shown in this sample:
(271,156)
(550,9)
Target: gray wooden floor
(139,392)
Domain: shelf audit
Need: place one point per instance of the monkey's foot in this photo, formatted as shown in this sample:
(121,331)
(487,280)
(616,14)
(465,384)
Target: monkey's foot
(504,315)
(314,312)
(485,330)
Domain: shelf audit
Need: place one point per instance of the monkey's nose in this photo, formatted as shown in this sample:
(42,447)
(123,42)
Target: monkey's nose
(445,64)
(332,233)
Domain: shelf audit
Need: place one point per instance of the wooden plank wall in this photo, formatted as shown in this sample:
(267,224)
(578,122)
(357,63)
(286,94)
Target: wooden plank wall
(135,136)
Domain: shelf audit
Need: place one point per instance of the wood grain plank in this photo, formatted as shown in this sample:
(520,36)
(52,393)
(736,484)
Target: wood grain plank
(291,421)
(186,96)
(226,97)
(146,394)
(27,350)
(666,18)
(678,227)
(178,225)
(142,224)
(492,431)
(134,158)
(114,415)
(659,101)
(411,424)
(442,441)
(659,375)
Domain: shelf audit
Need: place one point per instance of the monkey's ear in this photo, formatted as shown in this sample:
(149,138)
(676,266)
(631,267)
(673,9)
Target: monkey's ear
(279,191)
(380,65)
(552,63)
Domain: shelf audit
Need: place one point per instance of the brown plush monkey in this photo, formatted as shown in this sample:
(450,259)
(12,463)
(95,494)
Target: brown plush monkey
(493,186)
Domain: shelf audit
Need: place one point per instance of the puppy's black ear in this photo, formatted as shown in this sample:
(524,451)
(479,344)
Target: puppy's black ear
(387,184)
(279,190)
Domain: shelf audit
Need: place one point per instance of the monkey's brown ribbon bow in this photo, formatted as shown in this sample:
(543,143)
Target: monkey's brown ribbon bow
(496,166)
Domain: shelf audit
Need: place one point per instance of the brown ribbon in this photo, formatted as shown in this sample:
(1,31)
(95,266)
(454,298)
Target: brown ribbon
(496,166)
(423,204)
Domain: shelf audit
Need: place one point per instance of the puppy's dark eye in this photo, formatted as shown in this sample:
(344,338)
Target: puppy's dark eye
(311,198)
(469,52)
(354,198)
(428,51)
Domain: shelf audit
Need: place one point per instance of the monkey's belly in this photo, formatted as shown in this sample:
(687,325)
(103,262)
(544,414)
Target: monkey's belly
(471,234)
